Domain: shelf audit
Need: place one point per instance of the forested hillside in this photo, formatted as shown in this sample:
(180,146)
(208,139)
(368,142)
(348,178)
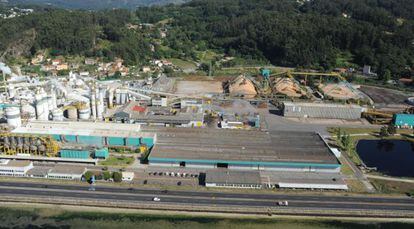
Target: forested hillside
(97,4)
(315,33)
(320,34)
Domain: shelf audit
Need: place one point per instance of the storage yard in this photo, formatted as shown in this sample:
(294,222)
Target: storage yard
(197,88)
(383,96)
(288,87)
(341,91)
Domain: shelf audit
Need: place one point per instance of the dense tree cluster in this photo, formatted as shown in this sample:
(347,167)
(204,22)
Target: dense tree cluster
(320,34)
(80,32)
(299,33)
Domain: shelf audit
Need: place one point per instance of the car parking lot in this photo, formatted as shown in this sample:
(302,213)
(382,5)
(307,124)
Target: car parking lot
(163,176)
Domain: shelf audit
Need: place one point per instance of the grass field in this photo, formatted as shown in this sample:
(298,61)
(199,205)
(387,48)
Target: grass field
(386,186)
(345,168)
(183,64)
(55,217)
(117,161)
(355,186)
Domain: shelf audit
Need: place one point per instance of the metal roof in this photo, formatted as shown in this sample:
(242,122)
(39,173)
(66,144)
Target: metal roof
(242,147)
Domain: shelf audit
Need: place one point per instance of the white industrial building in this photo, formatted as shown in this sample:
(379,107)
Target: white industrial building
(66,172)
(14,168)
(233,179)
(322,110)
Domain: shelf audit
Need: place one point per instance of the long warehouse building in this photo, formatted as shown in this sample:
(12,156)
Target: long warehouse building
(243,150)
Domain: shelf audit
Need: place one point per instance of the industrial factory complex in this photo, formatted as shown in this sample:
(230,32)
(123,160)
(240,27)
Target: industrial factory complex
(215,134)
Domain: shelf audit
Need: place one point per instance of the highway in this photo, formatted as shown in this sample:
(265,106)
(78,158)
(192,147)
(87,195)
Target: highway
(117,194)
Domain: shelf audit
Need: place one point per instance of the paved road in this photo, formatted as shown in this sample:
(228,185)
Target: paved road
(206,198)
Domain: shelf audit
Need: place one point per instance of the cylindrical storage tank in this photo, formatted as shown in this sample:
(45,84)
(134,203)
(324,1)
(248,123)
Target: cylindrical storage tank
(20,142)
(93,103)
(72,113)
(13,117)
(50,105)
(111,98)
(124,97)
(54,100)
(57,115)
(33,147)
(84,113)
(29,110)
(118,97)
(39,106)
(12,92)
(13,142)
(42,110)
(60,101)
(6,142)
(26,147)
(41,148)
(45,109)
(99,110)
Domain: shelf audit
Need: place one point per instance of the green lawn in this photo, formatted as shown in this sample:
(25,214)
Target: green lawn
(117,161)
(183,64)
(206,56)
(386,186)
(345,168)
(61,217)
(355,186)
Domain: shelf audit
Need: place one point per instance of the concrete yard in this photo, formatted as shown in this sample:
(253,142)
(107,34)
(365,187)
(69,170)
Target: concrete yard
(186,87)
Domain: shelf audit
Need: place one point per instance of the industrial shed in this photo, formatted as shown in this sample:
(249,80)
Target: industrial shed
(403,120)
(66,172)
(322,110)
(233,179)
(244,150)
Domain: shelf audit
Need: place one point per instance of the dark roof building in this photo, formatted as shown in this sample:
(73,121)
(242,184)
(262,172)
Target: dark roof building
(233,179)
(294,151)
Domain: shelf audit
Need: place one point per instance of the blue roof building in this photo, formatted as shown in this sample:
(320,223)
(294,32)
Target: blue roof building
(404,120)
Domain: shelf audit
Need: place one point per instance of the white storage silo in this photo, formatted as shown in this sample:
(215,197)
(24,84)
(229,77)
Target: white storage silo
(72,113)
(111,98)
(93,102)
(100,107)
(13,116)
(29,111)
(45,103)
(84,113)
(39,106)
(117,96)
(54,100)
(57,115)
(124,96)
